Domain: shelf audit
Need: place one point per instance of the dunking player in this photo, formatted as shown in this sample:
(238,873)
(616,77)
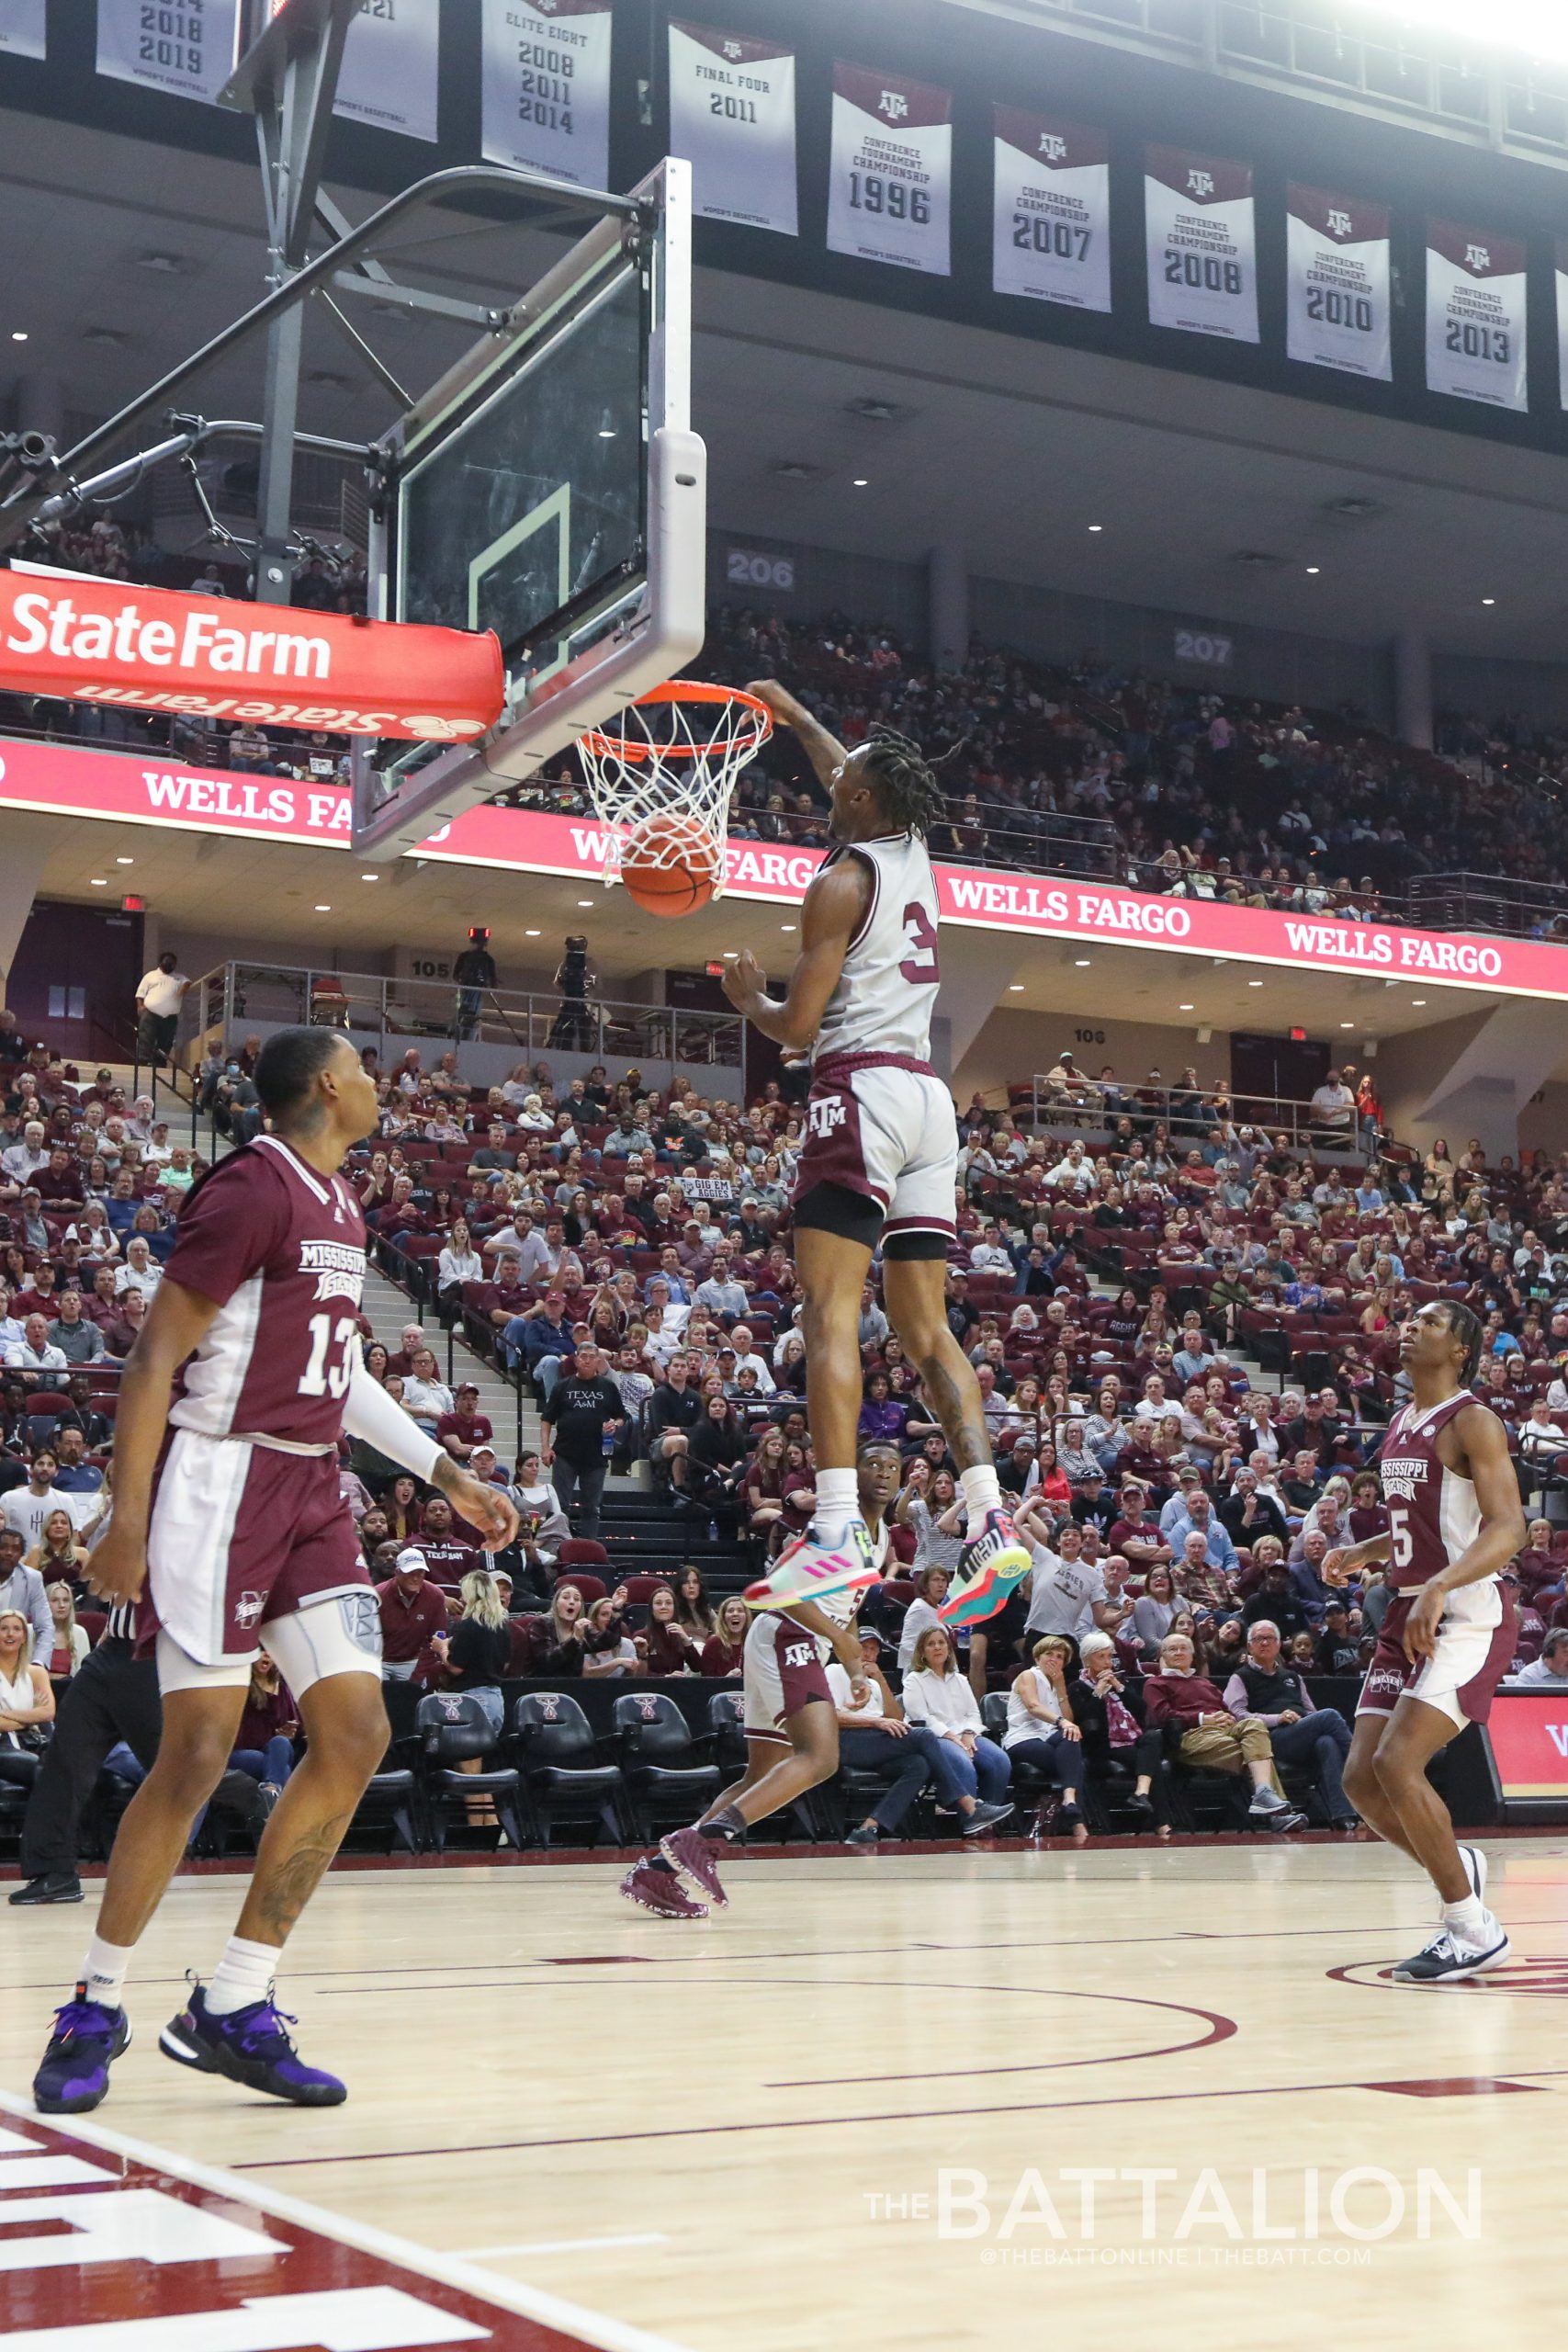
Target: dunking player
(226,1511)
(880,1159)
(1454,1524)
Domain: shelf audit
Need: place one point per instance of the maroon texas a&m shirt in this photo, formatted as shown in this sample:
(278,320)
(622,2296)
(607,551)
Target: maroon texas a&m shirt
(280,1250)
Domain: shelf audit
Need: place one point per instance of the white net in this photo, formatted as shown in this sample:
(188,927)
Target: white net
(664,772)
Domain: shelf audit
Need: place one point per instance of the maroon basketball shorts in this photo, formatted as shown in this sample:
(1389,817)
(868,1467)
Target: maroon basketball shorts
(781,1671)
(243,1540)
(1475,1644)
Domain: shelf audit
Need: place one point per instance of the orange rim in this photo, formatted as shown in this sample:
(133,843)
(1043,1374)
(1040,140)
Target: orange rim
(678,690)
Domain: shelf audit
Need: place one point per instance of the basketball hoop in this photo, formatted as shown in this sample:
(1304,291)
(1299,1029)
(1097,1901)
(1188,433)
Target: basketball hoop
(665,773)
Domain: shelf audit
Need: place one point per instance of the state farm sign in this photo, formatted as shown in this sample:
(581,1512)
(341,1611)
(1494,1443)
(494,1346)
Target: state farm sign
(89,640)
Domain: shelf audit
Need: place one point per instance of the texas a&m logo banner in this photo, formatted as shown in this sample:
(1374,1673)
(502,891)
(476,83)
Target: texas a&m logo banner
(890,189)
(1202,243)
(1051,230)
(1476,315)
(732,116)
(1338,282)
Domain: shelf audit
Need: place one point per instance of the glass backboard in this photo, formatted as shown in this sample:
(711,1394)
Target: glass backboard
(549,488)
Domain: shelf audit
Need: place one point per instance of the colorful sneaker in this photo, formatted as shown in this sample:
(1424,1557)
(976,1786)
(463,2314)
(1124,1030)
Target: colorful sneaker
(251,2046)
(809,1570)
(695,1861)
(1445,1961)
(991,1567)
(659,1891)
(87,2040)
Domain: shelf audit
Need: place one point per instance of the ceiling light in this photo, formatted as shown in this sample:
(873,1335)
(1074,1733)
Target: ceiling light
(370,877)
(786,926)
(125,861)
(18,334)
(1187,1008)
(1489,599)
(1097,526)
(1416,1001)
(324,911)
(1254,984)
(1015,987)
(530,934)
(100,882)
(1313,571)
(1537,26)
(1083,962)
(861,482)
(1347,1024)
(585,902)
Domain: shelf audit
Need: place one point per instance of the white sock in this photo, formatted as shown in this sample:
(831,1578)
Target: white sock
(982,1492)
(838,1497)
(103,1971)
(1466,1921)
(243,1974)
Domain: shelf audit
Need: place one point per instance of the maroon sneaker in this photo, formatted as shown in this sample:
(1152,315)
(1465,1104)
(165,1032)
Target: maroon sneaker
(659,1891)
(693,1858)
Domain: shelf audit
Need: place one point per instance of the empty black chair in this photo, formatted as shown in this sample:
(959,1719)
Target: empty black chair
(563,1774)
(727,1727)
(392,1795)
(664,1776)
(452,1725)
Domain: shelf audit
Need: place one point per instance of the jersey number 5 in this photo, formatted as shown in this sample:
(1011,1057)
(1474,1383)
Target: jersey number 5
(1400,1543)
(320,1378)
(920,966)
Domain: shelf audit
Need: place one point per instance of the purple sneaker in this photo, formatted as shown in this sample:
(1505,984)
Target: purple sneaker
(87,2040)
(251,2046)
(695,1861)
(659,1891)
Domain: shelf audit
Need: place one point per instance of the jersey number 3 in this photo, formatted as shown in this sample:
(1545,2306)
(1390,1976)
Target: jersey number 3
(320,1378)
(921,964)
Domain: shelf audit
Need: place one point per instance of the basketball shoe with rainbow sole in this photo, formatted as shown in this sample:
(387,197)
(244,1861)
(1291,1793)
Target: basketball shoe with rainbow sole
(991,1566)
(810,1571)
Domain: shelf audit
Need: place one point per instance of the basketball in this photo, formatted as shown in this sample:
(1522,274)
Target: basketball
(670,865)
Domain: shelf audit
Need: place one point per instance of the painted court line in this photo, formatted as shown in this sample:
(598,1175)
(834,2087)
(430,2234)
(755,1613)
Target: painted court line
(487,2287)
(559,2246)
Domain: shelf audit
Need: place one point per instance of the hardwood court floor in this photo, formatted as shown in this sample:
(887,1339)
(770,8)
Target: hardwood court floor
(720,2134)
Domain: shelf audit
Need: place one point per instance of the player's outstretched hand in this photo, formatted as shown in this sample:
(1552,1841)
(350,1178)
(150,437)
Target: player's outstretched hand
(744,979)
(486,1507)
(779,699)
(116,1569)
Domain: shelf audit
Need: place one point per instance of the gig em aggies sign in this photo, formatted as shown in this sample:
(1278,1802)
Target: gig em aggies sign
(98,640)
(1337,282)
(1476,315)
(732,116)
(1203,245)
(890,189)
(546,88)
(187,51)
(1051,234)
(22,28)
(390,66)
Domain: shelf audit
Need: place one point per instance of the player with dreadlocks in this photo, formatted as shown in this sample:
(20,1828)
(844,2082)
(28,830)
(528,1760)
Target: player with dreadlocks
(879,1164)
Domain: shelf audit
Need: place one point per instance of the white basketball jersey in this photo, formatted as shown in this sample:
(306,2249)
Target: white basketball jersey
(887,990)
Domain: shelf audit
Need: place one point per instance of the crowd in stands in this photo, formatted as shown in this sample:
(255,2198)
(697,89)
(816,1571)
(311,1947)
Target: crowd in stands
(1080,769)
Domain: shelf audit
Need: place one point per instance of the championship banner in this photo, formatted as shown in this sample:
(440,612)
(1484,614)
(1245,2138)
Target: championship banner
(1203,245)
(1562,323)
(22,28)
(1050,233)
(150,648)
(545,93)
(1475,316)
(890,185)
(187,50)
(732,116)
(392,66)
(1338,288)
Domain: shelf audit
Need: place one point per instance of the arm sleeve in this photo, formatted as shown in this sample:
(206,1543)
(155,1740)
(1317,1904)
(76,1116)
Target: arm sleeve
(370,1413)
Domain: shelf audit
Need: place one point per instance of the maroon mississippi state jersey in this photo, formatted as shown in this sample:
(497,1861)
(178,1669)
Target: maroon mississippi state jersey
(1432,1511)
(281,1253)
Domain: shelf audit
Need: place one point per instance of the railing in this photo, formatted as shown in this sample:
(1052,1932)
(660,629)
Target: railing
(234,1000)
(1090,1106)
(1488,902)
